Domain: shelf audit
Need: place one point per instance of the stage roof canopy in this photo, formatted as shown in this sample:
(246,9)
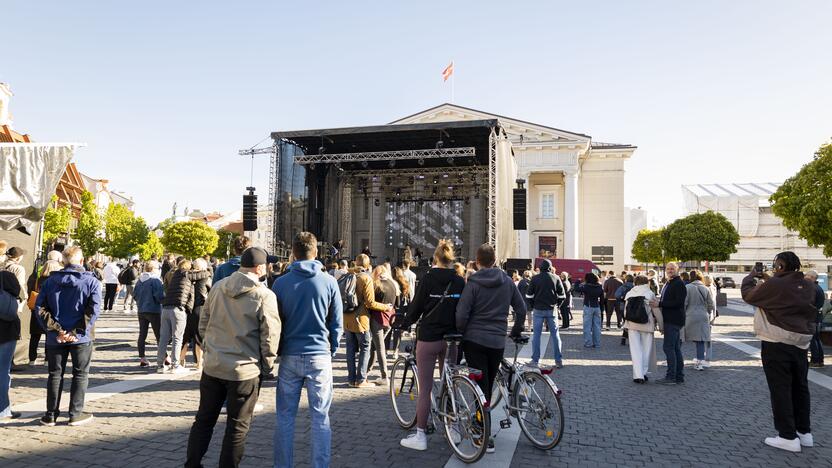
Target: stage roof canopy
(454,134)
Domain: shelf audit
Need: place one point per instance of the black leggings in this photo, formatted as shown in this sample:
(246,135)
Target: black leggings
(485,359)
(110,290)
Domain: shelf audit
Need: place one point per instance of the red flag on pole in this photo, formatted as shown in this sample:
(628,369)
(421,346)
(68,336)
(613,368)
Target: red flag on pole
(448,71)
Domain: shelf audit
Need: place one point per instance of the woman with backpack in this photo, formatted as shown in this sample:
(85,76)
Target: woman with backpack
(699,303)
(641,320)
(434,307)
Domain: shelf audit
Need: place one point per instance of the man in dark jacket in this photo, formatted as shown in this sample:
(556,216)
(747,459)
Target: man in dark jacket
(68,305)
(481,318)
(785,323)
(610,286)
(240,244)
(128,278)
(816,347)
(672,304)
(545,293)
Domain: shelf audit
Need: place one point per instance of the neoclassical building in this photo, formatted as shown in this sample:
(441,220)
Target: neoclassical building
(575,188)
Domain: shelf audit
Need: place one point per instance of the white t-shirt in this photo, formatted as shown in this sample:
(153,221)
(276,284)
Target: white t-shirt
(411,279)
(111,272)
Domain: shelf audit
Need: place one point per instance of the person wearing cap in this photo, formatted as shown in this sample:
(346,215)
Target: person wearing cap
(312,311)
(240,327)
(13,264)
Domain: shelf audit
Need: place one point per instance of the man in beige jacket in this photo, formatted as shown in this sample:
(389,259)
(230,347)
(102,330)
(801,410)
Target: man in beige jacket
(241,332)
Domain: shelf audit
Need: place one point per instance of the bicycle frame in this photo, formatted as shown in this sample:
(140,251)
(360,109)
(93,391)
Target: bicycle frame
(516,374)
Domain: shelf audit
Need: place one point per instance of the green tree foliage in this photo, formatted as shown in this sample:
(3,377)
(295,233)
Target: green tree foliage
(190,238)
(55,222)
(225,240)
(705,236)
(152,246)
(804,201)
(649,247)
(90,226)
(124,232)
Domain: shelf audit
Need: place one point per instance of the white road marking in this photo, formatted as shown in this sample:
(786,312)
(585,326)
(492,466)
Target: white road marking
(505,440)
(38,407)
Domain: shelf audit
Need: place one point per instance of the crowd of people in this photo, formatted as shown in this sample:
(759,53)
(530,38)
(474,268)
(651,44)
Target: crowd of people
(244,316)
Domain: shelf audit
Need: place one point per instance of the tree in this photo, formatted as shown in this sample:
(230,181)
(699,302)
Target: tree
(152,246)
(89,232)
(705,236)
(124,232)
(190,238)
(55,222)
(225,240)
(804,201)
(649,247)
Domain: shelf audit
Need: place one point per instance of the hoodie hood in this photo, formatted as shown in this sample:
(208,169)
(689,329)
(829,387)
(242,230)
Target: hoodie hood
(642,290)
(545,266)
(145,276)
(306,268)
(238,284)
(69,277)
(490,277)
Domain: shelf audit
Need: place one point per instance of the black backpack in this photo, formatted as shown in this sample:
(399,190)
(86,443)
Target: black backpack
(347,285)
(636,310)
(122,277)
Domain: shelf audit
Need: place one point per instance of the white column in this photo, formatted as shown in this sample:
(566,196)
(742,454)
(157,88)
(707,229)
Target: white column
(570,220)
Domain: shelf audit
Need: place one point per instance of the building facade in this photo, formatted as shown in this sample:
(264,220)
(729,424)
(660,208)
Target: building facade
(575,188)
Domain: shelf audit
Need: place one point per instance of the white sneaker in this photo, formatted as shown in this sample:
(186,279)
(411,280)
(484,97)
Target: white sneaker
(784,444)
(179,370)
(162,370)
(806,440)
(699,367)
(415,441)
(381,382)
(695,362)
(705,364)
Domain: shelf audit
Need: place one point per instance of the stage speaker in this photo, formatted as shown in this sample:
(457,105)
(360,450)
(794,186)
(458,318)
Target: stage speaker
(250,210)
(519,209)
(518,264)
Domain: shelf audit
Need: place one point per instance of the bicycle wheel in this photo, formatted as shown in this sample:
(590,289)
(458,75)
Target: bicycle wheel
(404,391)
(540,413)
(467,425)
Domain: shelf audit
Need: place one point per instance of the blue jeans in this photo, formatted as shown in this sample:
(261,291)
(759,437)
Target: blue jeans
(700,350)
(539,317)
(6,356)
(672,347)
(357,343)
(592,326)
(296,371)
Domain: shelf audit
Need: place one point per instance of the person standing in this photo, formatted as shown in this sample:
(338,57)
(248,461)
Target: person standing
(593,298)
(312,322)
(240,244)
(386,291)
(357,323)
(35,331)
(128,278)
(784,321)
(9,335)
(640,334)
(672,304)
(434,308)
(149,294)
(699,305)
(620,294)
(411,278)
(178,303)
(14,265)
(201,280)
(481,317)
(816,347)
(241,327)
(68,306)
(111,285)
(545,294)
(611,285)
(566,306)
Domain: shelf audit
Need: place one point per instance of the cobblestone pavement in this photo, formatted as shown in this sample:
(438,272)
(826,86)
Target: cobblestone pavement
(718,417)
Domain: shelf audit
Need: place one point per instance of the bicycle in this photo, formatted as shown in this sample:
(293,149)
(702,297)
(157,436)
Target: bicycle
(531,398)
(461,408)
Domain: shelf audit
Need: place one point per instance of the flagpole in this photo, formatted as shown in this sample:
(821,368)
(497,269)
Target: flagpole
(453,81)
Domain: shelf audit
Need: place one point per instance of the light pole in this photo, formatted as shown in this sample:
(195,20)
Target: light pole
(646,247)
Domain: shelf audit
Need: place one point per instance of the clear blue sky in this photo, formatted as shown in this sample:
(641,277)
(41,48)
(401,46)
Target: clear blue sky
(165,93)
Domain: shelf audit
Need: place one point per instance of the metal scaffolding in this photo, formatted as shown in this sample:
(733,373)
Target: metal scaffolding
(465,152)
(492,189)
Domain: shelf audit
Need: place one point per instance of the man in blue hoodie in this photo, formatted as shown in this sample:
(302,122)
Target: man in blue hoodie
(238,246)
(311,314)
(68,305)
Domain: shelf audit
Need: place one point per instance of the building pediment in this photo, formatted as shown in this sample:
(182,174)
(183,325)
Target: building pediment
(520,132)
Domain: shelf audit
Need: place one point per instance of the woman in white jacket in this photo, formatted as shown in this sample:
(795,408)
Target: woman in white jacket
(641,334)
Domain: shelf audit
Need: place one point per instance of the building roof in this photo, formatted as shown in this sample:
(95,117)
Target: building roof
(7,135)
(765,189)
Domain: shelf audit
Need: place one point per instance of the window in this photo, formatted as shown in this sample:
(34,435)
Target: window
(547,205)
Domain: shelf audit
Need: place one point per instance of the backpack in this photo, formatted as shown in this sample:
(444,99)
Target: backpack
(347,286)
(8,304)
(636,310)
